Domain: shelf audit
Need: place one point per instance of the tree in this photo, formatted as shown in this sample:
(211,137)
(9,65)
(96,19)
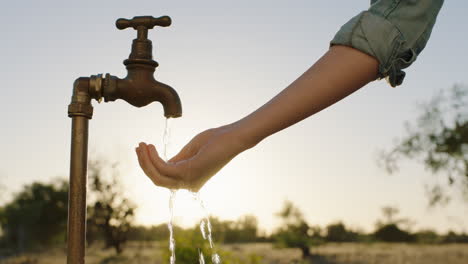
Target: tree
(452,237)
(427,236)
(37,216)
(337,232)
(110,214)
(247,228)
(242,230)
(295,231)
(150,233)
(439,139)
(389,217)
(392,233)
(388,229)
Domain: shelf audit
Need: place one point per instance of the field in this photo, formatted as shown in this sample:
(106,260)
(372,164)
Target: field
(352,253)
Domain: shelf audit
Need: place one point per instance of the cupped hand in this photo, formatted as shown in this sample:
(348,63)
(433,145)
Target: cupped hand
(195,164)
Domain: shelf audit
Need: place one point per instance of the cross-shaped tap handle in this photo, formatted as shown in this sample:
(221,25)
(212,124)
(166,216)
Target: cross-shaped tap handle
(143,23)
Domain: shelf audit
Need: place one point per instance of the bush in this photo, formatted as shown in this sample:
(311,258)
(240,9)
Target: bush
(427,237)
(391,233)
(452,237)
(338,233)
(189,244)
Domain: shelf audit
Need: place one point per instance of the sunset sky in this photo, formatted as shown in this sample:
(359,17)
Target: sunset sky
(225,59)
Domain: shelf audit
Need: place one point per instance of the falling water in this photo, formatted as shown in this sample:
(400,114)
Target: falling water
(166,135)
(167,131)
(205,225)
(205,229)
(202,258)
(169,225)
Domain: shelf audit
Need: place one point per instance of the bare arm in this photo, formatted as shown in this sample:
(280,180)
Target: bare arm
(340,72)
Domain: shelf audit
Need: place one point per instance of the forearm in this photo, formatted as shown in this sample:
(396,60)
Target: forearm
(340,72)
(337,74)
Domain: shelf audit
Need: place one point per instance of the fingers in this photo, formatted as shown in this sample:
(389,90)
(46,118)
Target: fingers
(168,169)
(155,159)
(185,153)
(193,146)
(152,172)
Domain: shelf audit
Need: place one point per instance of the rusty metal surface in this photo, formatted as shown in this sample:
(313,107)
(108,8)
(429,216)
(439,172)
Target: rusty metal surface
(77,192)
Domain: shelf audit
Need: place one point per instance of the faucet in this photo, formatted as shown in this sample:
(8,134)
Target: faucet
(139,88)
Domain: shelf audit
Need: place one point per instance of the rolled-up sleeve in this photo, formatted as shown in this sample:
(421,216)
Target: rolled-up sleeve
(393,31)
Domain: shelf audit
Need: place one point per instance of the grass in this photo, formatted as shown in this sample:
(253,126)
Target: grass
(256,253)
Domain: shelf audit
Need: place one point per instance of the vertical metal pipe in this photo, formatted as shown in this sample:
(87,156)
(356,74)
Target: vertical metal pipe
(77,193)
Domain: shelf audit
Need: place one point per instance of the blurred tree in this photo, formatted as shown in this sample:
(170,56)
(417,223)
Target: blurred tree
(438,139)
(37,216)
(244,229)
(223,230)
(337,232)
(389,217)
(247,228)
(427,237)
(110,214)
(392,233)
(389,213)
(295,232)
(388,229)
(452,237)
(189,244)
(150,233)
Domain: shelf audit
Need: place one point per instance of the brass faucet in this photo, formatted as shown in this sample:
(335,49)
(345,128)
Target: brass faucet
(139,88)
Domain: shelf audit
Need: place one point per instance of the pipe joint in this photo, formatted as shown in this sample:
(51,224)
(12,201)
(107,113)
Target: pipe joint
(81,100)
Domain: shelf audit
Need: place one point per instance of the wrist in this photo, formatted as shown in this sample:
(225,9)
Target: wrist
(242,135)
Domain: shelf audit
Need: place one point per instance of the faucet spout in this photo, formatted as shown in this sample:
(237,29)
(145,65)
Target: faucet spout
(169,99)
(139,88)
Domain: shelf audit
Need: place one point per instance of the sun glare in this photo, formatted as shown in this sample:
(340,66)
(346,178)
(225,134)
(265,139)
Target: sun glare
(187,209)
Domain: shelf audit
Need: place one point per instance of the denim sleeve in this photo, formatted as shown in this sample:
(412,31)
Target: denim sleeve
(392,31)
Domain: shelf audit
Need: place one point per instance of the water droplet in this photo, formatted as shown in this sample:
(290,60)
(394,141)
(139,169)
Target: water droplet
(216,259)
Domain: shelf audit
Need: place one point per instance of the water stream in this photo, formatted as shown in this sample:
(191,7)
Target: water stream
(205,225)
(166,136)
(205,229)
(170,226)
(167,133)
(202,258)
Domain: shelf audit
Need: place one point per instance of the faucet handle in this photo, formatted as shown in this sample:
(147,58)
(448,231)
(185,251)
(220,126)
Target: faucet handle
(141,46)
(143,23)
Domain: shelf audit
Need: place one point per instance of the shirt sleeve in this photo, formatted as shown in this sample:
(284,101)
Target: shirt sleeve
(393,31)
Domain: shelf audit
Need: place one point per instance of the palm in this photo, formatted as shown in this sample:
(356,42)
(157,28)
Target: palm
(206,154)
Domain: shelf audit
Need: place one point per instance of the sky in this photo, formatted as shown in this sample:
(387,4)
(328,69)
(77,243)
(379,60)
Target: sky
(225,59)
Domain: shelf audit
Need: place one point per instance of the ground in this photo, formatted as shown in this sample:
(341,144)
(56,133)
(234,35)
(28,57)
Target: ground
(256,253)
